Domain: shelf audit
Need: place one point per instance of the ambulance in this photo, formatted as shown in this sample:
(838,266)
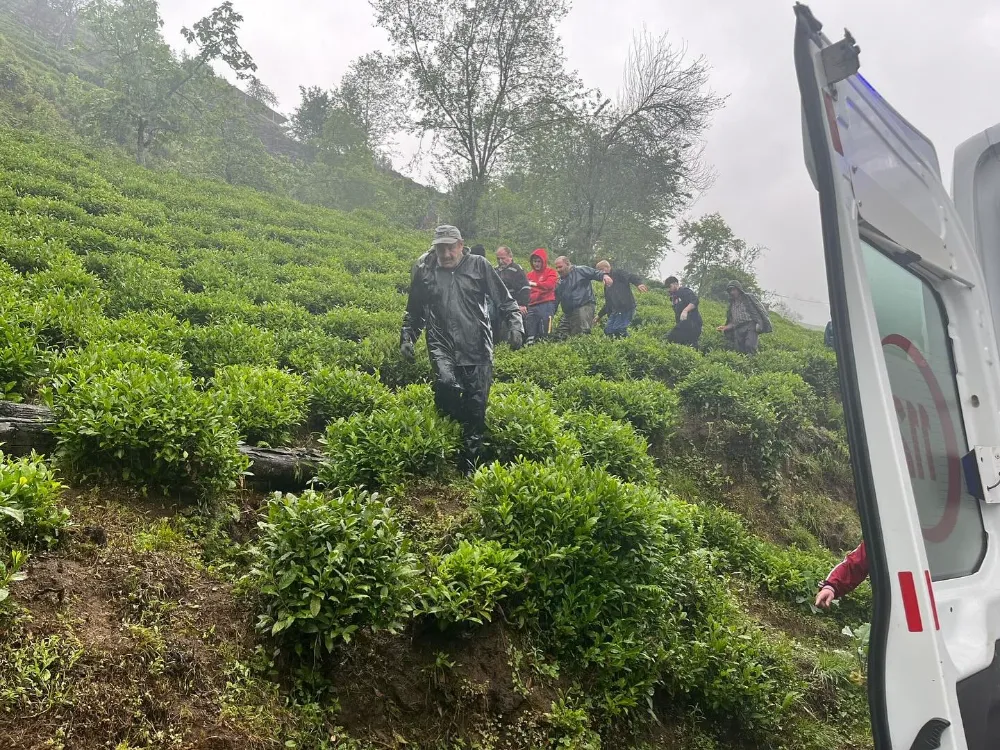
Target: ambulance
(910,271)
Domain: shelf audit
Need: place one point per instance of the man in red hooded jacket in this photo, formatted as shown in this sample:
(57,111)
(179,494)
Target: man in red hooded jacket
(844,578)
(542,281)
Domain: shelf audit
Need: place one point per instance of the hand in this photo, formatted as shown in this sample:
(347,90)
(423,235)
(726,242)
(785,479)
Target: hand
(608,281)
(597,319)
(722,329)
(825,597)
(406,349)
(642,288)
(684,314)
(524,310)
(515,338)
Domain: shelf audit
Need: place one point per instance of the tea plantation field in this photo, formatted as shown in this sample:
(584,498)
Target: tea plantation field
(632,569)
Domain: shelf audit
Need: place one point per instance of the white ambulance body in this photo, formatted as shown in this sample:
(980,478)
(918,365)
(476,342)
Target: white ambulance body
(920,375)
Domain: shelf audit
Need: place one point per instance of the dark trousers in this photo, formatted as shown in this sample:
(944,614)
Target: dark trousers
(461,392)
(744,338)
(577,321)
(538,322)
(686,332)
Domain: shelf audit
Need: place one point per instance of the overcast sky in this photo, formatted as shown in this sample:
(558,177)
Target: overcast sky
(935,62)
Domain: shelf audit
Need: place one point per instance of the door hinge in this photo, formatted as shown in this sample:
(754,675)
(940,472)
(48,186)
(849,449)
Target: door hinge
(841,59)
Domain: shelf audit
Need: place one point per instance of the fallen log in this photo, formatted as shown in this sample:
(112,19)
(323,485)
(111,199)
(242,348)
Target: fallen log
(25,428)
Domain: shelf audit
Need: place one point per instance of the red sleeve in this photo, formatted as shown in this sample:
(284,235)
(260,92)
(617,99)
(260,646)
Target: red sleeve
(849,574)
(547,282)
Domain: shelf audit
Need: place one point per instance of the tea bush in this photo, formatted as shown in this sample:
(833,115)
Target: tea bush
(467,584)
(266,404)
(520,421)
(612,445)
(150,427)
(233,343)
(326,565)
(546,364)
(387,446)
(21,359)
(30,489)
(657,360)
(610,569)
(651,407)
(340,393)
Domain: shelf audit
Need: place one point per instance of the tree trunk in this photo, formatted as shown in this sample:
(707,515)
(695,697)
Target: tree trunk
(466,198)
(25,427)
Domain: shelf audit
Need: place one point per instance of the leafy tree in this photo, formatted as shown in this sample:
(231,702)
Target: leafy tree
(142,71)
(311,114)
(485,75)
(375,97)
(717,255)
(609,180)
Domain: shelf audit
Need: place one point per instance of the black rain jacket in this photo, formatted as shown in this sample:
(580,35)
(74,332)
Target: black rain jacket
(576,289)
(451,304)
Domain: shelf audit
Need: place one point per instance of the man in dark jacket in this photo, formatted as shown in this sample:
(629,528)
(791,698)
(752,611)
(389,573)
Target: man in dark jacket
(828,339)
(449,292)
(619,304)
(575,294)
(746,319)
(516,281)
(687,319)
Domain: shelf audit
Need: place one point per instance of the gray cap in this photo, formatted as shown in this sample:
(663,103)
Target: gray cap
(734,285)
(446,234)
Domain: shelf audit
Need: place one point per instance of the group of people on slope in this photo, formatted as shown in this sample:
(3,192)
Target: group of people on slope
(541,291)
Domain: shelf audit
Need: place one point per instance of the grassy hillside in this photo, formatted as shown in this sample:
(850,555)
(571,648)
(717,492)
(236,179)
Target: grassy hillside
(632,571)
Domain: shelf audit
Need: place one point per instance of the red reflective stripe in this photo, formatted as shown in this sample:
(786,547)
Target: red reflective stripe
(930,590)
(910,604)
(831,116)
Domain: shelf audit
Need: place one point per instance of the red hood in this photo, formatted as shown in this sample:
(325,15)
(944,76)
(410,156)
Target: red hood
(540,252)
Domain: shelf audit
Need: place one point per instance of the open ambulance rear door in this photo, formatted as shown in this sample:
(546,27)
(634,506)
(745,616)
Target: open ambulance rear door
(921,387)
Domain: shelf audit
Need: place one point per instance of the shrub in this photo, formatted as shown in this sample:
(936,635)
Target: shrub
(651,407)
(338,393)
(546,364)
(789,397)
(611,573)
(520,421)
(466,585)
(647,358)
(612,445)
(602,356)
(21,359)
(328,564)
(233,343)
(416,396)
(145,426)
(380,353)
(713,389)
(388,445)
(30,489)
(266,404)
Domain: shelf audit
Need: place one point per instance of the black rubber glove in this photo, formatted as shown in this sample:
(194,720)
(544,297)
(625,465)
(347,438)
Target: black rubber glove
(516,339)
(406,349)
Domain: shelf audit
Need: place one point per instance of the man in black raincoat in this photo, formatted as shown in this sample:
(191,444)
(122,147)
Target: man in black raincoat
(450,291)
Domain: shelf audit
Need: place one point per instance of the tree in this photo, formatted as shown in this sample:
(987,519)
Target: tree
(715,253)
(258,91)
(375,96)
(611,179)
(142,71)
(311,114)
(485,75)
